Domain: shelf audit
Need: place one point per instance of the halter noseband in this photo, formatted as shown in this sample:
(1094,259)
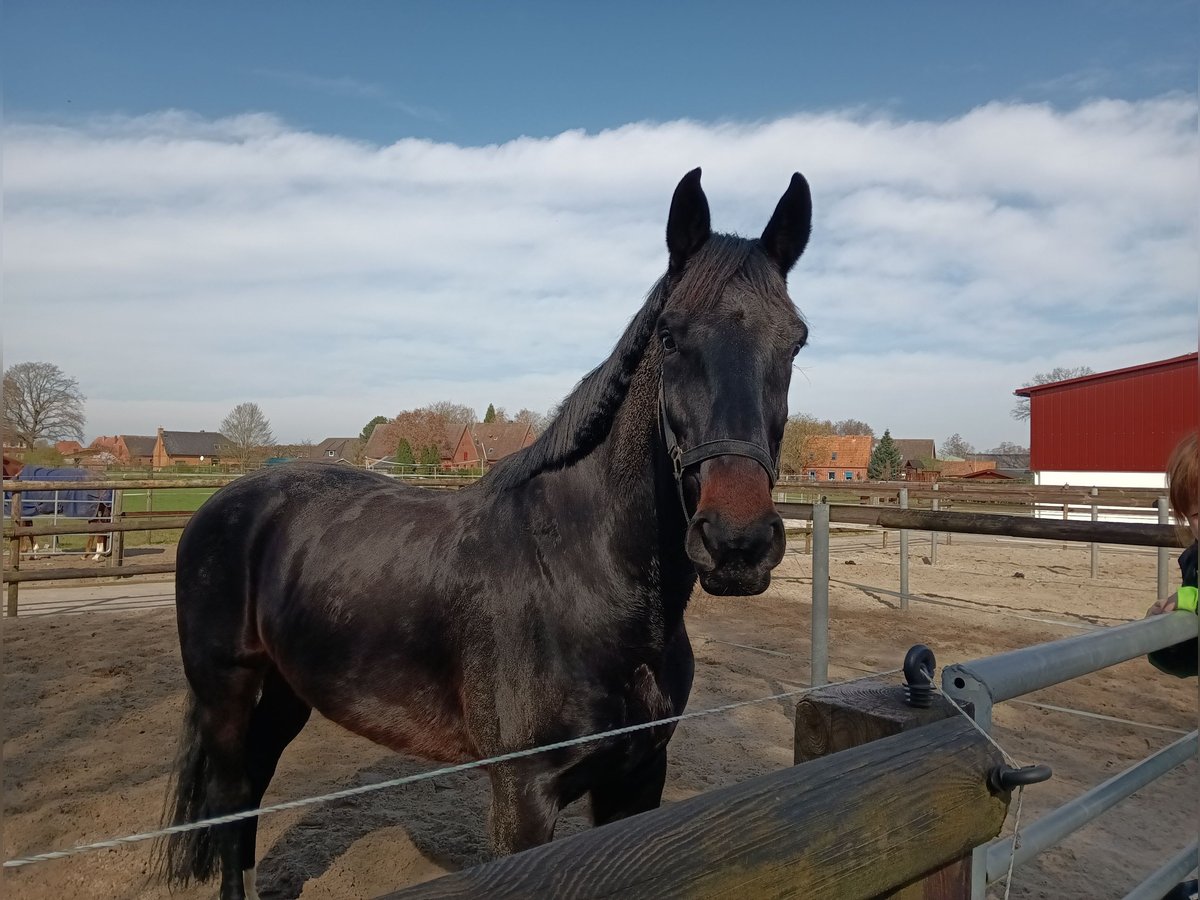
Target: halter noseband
(681,459)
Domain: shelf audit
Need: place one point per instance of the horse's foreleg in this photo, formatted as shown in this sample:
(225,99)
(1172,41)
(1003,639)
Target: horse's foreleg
(525,805)
(636,792)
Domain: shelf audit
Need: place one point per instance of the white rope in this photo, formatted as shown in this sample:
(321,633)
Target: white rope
(1012,857)
(408,779)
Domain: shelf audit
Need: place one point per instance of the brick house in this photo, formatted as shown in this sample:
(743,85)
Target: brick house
(840,458)
(189,448)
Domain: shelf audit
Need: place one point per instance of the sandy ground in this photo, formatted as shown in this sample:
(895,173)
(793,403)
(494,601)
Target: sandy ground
(92,704)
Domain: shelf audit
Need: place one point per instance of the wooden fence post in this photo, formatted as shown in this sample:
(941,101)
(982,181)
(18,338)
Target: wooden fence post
(841,717)
(14,551)
(116,553)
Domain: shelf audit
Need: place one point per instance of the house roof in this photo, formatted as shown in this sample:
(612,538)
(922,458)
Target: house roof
(853,450)
(496,441)
(1097,376)
(342,448)
(194,443)
(67,447)
(961,468)
(139,444)
(915,449)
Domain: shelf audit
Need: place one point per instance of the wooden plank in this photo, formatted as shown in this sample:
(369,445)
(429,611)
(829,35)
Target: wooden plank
(99,485)
(15,577)
(130,523)
(852,825)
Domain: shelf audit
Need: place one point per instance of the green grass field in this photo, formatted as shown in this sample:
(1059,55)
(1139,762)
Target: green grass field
(181,500)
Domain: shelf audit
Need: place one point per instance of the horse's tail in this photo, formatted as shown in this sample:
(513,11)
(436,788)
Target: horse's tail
(187,856)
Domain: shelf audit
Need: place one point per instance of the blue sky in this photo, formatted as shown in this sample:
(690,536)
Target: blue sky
(480,73)
(1000,189)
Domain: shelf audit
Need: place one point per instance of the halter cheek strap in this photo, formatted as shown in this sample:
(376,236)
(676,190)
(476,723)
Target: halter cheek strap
(681,459)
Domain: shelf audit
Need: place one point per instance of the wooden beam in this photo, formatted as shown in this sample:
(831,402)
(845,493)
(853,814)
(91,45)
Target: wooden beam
(133,523)
(853,825)
(842,717)
(14,577)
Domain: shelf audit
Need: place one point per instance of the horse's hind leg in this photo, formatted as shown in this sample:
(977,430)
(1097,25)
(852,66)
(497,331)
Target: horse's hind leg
(225,701)
(278,717)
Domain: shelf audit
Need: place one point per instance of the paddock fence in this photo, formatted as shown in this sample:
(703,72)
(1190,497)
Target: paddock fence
(980,684)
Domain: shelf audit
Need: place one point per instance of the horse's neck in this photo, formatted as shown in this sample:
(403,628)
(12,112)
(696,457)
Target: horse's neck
(642,493)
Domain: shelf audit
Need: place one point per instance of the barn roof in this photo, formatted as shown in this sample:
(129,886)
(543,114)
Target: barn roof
(497,440)
(194,443)
(1098,376)
(915,449)
(139,444)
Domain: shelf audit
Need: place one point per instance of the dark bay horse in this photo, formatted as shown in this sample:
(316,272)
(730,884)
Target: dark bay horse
(542,603)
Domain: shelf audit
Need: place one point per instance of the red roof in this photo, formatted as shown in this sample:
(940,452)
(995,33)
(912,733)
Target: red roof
(1111,373)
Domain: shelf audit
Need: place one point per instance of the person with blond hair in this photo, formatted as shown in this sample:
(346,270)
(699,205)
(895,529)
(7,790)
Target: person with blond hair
(1183,479)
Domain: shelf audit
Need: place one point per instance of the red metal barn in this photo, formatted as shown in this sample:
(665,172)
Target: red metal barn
(1113,429)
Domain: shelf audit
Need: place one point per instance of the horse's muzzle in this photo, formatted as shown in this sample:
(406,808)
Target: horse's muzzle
(736,537)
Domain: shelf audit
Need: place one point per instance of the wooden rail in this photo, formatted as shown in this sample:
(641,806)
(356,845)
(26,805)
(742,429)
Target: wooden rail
(860,823)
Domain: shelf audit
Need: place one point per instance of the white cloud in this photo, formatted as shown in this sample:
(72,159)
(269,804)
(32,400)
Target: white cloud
(208,262)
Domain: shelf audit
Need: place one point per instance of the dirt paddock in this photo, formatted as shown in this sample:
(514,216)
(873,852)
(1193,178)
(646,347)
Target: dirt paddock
(92,704)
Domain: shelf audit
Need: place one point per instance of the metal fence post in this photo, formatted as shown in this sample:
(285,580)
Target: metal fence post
(1095,547)
(904,554)
(819,659)
(1164,553)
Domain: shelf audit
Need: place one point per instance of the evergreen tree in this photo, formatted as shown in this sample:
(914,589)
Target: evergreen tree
(365,435)
(404,454)
(490,416)
(886,462)
(431,457)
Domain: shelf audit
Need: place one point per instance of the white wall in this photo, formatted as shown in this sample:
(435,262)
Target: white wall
(1103,480)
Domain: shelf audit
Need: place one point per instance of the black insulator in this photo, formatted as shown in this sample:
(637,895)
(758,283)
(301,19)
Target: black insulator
(1005,778)
(919,666)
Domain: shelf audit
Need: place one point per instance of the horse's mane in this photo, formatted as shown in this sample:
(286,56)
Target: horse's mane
(587,414)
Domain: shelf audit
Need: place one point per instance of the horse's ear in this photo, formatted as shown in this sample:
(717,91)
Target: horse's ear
(786,235)
(688,225)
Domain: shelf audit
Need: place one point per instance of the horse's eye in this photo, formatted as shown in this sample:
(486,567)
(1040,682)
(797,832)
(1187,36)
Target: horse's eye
(668,342)
(796,350)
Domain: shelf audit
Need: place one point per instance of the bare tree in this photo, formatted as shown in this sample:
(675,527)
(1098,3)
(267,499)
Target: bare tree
(1020,410)
(42,403)
(453,413)
(956,446)
(798,452)
(853,426)
(248,431)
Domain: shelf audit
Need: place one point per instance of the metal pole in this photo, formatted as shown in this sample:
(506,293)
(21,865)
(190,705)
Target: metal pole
(1048,831)
(933,535)
(904,554)
(995,679)
(1095,547)
(819,663)
(1164,554)
(1172,872)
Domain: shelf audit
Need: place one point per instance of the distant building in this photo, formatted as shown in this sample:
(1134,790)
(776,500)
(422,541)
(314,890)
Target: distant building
(189,448)
(335,449)
(834,457)
(1115,428)
(128,449)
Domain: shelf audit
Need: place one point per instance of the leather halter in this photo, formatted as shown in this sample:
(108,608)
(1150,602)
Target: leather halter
(682,460)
